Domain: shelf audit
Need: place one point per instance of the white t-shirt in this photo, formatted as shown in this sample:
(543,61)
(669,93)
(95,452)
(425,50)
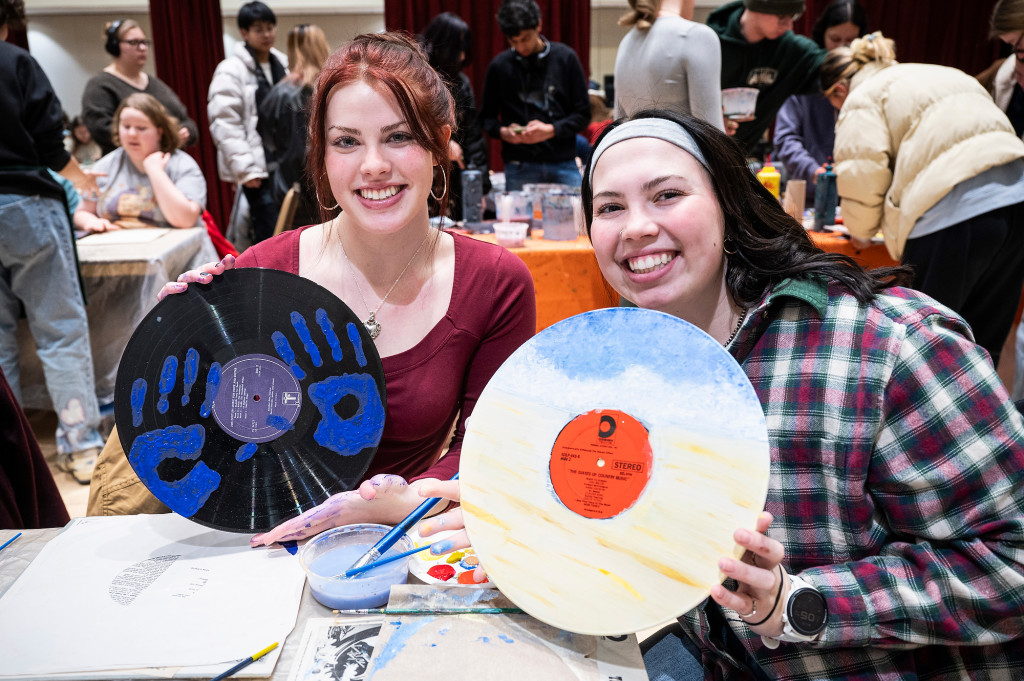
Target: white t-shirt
(126,194)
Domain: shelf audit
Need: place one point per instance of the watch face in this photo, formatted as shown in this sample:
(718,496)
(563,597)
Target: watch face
(807,612)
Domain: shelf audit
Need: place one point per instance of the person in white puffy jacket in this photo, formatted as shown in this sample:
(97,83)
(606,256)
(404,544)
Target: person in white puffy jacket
(924,154)
(239,85)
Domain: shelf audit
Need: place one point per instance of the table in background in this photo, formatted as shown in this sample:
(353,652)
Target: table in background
(566,278)
(876,255)
(123,271)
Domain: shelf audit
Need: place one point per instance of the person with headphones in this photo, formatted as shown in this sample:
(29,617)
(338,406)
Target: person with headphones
(126,42)
(535,101)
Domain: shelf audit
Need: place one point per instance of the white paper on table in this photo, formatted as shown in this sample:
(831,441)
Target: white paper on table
(126,236)
(146,591)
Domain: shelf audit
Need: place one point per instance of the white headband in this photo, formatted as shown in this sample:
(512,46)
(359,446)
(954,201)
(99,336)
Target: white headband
(658,128)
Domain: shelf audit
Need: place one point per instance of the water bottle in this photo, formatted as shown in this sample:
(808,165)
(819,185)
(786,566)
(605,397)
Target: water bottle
(825,198)
(472,195)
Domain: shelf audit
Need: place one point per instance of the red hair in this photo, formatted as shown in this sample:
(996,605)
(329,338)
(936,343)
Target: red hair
(394,64)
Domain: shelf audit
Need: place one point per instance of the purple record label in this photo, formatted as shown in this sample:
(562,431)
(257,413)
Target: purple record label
(258,400)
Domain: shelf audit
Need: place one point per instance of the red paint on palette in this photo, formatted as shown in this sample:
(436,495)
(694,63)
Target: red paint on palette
(442,572)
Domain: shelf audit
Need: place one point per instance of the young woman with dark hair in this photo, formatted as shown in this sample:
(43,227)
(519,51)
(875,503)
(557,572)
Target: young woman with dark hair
(445,310)
(891,545)
(448,44)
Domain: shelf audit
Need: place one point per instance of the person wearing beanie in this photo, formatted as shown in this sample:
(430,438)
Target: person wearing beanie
(760,50)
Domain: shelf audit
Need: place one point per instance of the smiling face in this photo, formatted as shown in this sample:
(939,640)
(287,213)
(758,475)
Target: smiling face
(378,174)
(138,135)
(658,229)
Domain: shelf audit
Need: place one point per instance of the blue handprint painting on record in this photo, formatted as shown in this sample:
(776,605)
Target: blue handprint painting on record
(244,402)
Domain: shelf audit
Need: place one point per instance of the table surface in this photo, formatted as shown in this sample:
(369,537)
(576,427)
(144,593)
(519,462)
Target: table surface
(123,271)
(566,278)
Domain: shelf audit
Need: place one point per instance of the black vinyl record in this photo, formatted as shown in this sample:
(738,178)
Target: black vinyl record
(244,402)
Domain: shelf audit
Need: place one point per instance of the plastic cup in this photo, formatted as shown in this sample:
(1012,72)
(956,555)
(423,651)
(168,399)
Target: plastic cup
(739,103)
(511,234)
(334,551)
(559,221)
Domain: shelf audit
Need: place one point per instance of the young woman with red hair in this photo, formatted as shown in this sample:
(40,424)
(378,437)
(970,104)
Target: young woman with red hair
(448,309)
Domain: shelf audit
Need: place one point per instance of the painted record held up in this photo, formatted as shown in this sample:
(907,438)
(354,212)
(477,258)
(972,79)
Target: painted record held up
(606,466)
(244,402)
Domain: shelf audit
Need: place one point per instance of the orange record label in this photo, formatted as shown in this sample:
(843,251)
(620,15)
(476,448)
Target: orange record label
(600,463)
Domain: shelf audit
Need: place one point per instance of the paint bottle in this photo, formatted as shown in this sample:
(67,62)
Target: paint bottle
(825,198)
(770,177)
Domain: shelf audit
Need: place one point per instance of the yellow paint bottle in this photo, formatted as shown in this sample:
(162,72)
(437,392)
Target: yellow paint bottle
(769,177)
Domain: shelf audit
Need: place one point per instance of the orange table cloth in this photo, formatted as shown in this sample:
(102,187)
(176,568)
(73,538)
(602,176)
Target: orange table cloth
(875,255)
(566,278)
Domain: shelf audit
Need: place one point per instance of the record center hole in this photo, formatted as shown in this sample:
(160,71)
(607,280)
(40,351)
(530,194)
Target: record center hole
(255,398)
(600,463)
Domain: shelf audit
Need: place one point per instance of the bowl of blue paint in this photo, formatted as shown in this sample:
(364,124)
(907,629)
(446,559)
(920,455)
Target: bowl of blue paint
(332,552)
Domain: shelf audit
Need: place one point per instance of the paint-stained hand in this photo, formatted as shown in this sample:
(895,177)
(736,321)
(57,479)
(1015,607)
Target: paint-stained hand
(203,275)
(381,499)
(759,575)
(450,520)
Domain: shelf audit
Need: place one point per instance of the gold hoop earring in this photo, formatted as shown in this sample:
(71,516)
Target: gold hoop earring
(444,176)
(321,203)
(727,251)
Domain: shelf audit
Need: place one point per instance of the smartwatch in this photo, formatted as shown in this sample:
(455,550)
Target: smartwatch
(804,616)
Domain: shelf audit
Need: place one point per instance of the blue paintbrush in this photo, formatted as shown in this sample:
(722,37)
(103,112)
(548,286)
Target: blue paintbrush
(352,572)
(388,540)
(9,541)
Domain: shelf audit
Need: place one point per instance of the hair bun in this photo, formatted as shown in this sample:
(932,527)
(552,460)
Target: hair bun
(873,47)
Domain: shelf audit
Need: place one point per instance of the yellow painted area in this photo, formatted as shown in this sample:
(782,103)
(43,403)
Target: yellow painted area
(671,573)
(623,583)
(483,516)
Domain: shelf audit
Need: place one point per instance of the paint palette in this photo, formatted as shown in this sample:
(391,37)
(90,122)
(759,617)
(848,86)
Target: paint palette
(606,466)
(244,402)
(451,569)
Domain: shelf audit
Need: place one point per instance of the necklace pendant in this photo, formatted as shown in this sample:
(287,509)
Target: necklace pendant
(372,326)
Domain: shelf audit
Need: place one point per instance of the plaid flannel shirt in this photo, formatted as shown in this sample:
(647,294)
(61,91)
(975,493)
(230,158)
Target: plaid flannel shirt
(897,486)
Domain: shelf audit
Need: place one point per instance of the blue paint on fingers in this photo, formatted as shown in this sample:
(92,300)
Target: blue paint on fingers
(441,547)
(357,343)
(363,429)
(138,398)
(299,324)
(191,372)
(332,338)
(166,385)
(246,451)
(212,385)
(279,422)
(284,350)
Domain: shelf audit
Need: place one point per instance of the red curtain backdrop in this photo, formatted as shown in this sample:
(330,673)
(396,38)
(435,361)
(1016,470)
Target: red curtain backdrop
(188,43)
(566,22)
(948,32)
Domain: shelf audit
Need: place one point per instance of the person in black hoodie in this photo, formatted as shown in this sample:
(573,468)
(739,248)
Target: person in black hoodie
(535,101)
(760,50)
(38,267)
(284,122)
(447,42)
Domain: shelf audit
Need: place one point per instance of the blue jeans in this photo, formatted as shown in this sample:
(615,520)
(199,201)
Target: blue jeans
(38,269)
(670,655)
(518,173)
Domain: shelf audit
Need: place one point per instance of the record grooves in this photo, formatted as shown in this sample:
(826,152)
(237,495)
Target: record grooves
(244,402)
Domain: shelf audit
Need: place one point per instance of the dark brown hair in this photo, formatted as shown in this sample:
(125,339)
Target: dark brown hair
(12,14)
(158,116)
(768,245)
(393,64)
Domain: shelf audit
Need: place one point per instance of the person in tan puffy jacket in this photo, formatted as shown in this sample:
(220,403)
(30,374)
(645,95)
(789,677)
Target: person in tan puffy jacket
(924,155)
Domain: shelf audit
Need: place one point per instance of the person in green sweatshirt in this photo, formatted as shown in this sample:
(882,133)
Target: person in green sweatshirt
(760,50)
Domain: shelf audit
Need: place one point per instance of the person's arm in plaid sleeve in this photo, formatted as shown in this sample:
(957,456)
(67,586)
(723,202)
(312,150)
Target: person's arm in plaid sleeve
(947,475)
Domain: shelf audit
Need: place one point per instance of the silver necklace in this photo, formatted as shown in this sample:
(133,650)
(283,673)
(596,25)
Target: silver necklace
(371,323)
(736,330)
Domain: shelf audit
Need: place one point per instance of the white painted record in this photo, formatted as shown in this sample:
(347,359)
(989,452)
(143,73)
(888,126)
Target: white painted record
(606,466)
